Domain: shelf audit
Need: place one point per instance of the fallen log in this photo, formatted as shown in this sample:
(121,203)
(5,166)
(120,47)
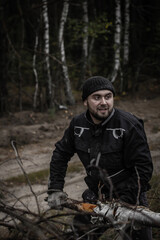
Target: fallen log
(118,213)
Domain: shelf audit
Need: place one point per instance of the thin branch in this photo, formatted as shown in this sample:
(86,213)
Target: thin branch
(13,143)
(31,226)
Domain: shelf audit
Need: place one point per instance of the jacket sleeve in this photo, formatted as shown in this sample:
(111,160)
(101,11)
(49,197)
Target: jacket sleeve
(61,155)
(137,155)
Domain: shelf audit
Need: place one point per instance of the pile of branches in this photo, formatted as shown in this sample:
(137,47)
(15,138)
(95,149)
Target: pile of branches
(22,223)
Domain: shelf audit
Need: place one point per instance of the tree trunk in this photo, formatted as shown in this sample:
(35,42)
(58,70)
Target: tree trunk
(126,33)
(35,74)
(68,91)
(20,80)
(85,44)
(125,46)
(117,41)
(46,51)
(3,71)
(90,55)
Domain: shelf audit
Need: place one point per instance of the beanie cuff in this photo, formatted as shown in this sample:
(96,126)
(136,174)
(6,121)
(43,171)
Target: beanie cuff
(94,84)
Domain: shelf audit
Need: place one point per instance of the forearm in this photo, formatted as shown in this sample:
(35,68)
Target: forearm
(61,155)
(143,166)
(58,168)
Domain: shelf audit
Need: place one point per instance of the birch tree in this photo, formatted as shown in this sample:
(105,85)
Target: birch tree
(85,41)
(126,33)
(35,73)
(125,45)
(20,75)
(68,91)
(117,40)
(47,51)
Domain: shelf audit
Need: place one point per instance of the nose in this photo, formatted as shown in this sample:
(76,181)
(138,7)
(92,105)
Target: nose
(103,100)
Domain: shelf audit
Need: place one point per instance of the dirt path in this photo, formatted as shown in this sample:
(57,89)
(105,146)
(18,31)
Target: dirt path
(37,133)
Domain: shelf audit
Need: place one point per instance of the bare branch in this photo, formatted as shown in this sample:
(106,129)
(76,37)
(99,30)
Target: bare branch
(25,174)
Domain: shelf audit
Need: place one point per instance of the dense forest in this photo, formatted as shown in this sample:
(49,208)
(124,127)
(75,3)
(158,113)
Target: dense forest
(49,47)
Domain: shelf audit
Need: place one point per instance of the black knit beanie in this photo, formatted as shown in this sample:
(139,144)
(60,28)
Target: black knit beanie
(94,84)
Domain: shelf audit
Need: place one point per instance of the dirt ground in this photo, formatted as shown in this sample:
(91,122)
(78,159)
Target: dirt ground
(36,134)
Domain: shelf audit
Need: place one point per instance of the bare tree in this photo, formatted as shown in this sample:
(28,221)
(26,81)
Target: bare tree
(126,33)
(67,83)
(35,73)
(20,79)
(47,52)
(85,43)
(125,56)
(117,40)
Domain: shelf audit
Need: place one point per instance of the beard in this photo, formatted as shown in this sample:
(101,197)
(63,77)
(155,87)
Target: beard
(97,115)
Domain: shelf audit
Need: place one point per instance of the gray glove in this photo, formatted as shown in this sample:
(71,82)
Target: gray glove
(57,199)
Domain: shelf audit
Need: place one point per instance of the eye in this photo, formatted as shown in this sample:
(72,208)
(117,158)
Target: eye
(108,96)
(96,97)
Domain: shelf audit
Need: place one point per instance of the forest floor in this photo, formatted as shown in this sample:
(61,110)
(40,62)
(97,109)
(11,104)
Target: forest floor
(36,134)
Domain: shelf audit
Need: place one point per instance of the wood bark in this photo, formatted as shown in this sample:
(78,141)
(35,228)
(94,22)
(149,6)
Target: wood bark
(125,46)
(126,33)
(68,91)
(85,43)
(35,74)
(117,41)
(47,51)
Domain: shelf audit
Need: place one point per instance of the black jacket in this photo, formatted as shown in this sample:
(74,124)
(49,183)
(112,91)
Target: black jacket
(115,155)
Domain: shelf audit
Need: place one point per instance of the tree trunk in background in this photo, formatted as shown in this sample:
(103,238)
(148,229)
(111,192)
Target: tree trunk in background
(91,45)
(126,33)
(85,39)
(46,51)
(68,91)
(20,74)
(124,80)
(117,41)
(22,21)
(3,74)
(3,68)
(20,80)
(85,44)
(35,74)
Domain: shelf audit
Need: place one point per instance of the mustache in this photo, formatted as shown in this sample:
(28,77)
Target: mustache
(103,108)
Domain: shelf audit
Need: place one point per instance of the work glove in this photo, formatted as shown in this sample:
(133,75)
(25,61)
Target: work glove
(56,199)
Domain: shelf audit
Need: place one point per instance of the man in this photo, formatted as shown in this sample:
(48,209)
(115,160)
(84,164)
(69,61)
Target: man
(113,148)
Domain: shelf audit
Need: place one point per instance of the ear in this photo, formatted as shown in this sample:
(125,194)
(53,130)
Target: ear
(85,102)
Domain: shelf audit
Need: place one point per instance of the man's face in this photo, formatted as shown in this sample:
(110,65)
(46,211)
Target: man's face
(100,105)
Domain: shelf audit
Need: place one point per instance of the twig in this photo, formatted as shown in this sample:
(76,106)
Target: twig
(17,214)
(25,174)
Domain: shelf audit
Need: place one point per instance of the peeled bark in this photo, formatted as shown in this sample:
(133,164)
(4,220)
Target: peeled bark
(121,215)
(116,213)
(68,91)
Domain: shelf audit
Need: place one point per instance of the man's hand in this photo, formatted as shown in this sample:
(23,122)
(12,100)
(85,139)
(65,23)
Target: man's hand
(57,199)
